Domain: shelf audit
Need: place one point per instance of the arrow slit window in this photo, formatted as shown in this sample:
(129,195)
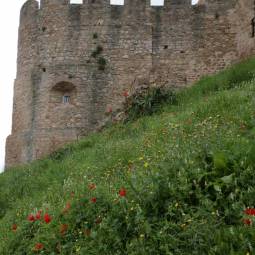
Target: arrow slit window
(253,28)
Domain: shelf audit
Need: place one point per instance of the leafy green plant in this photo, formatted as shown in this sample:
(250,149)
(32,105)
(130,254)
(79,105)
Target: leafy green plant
(101,63)
(97,51)
(148,101)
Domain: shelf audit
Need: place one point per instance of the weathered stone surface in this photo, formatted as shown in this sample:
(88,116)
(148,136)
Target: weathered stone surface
(89,54)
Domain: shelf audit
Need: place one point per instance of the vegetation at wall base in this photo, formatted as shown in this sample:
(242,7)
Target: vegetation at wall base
(181,181)
(148,101)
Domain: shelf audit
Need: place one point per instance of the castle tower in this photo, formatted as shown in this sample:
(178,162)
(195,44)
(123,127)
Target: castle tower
(76,60)
(19,143)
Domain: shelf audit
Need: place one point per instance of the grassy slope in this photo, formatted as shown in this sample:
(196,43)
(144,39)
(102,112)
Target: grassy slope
(188,172)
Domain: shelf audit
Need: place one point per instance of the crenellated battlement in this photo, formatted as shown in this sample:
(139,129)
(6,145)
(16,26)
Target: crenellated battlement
(103,8)
(75,61)
(30,4)
(29,8)
(44,3)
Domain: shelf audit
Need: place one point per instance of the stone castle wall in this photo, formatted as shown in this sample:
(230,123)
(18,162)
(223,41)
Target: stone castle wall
(63,46)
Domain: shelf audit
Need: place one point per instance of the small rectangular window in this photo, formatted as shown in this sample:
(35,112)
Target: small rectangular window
(66,99)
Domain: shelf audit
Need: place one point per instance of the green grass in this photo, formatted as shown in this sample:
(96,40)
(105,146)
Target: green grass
(189,174)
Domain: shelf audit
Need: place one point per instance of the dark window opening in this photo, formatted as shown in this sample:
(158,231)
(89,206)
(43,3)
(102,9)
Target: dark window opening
(66,99)
(182,51)
(217,15)
(253,27)
(43,29)
(44,69)
(166,47)
(63,93)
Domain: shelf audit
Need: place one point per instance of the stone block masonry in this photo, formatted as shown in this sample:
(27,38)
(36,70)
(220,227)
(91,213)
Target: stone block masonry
(76,60)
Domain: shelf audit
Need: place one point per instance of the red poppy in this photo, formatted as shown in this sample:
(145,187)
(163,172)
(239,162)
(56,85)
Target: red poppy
(109,110)
(14,227)
(92,186)
(31,218)
(38,246)
(93,199)
(250,211)
(122,192)
(125,94)
(63,228)
(47,218)
(38,215)
(247,222)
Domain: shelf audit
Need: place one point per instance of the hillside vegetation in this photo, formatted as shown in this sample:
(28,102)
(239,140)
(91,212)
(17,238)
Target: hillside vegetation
(181,181)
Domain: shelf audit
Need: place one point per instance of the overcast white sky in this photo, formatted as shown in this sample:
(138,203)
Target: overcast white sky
(9,19)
